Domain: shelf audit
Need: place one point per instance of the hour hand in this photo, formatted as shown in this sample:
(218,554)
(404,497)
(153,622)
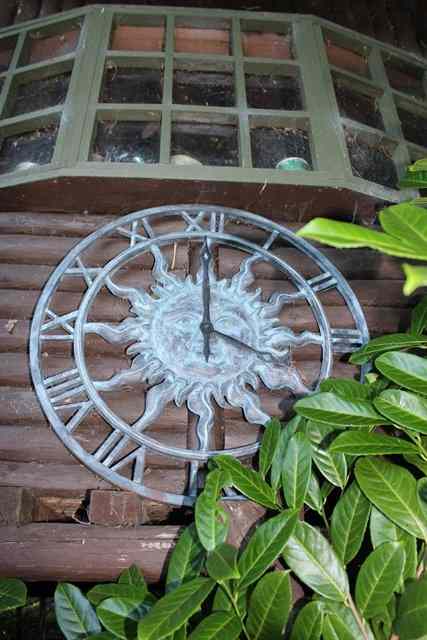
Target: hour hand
(206,324)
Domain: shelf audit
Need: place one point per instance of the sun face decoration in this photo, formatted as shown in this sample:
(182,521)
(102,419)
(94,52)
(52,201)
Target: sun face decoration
(198,340)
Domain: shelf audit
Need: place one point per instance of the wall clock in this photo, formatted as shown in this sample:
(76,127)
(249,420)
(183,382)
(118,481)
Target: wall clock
(219,328)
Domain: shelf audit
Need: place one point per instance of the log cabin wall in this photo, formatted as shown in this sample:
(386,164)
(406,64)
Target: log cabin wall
(58,520)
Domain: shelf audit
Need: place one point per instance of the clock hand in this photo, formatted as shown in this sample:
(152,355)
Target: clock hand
(206,324)
(241,344)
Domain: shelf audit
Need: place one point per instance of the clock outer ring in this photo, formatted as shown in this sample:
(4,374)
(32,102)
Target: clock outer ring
(68,440)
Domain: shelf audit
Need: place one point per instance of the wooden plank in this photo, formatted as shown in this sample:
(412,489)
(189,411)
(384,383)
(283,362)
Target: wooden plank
(115,509)
(57,552)
(16,506)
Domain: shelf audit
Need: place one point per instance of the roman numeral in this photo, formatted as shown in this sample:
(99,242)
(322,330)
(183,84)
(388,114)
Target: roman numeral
(132,233)
(82,271)
(323,282)
(346,340)
(217,222)
(62,388)
(65,322)
(271,238)
(109,455)
(194,222)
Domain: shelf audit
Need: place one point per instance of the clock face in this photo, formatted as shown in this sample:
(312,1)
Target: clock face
(209,309)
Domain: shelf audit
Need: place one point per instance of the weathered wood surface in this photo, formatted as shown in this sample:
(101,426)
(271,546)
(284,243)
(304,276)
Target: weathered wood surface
(70,552)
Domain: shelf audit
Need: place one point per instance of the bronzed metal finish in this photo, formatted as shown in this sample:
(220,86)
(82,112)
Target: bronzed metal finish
(201,341)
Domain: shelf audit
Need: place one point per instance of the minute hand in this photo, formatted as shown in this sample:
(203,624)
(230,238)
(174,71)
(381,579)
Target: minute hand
(243,345)
(206,324)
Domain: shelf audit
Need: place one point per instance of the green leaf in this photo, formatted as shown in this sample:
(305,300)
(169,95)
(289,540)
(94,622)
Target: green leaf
(346,388)
(405,369)
(403,408)
(121,616)
(222,602)
(314,561)
(296,470)
(392,490)
(422,495)
(222,624)
(309,622)
(333,466)
(133,576)
(416,277)
(13,593)
(345,235)
(379,578)
(343,623)
(382,529)
(383,344)
(101,592)
(248,481)
(104,635)
(186,560)
(211,519)
(288,430)
(74,613)
(348,524)
(174,609)
(333,410)
(419,317)
(411,621)
(222,563)
(313,497)
(264,547)
(269,607)
(269,444)
(361,443)
(407,223)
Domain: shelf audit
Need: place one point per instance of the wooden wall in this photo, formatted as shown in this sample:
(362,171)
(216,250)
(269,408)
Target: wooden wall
(57,519)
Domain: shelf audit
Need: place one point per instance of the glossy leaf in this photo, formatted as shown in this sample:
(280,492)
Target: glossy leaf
(333,466)
(403,408)
(343,623)
(121,616)
(269,444)
(422,495)
(382,530)
(221,601)
(379,577)
(296,470)
(411,621)
(174,609)
(13,593)
(348,523)
(222,624)
(390,342)
(363,443)
(345,235)
(392,490)
(104,635)
(133,576)
(419,317)
(346,388)
(222,563)
(101,592)
(405,369)
(334,410)
(416,277)
(309,622)
(269,607)
(248,481)
(186,560)
(264,547)
(407,223)
(74,613)
(313,497)
(211,520)
(314,561)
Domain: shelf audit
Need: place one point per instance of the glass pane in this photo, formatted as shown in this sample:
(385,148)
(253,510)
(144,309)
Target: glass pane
(44,45)
(127,141)
(371,159)
(207,88)
(149,35)
(271,144)
(357,106)
(202,36)
(267,40)
(27,150)
(273,91)
(346,53)
(38,94)
(208,144)
(406,77)
(133,85)
(7,47)
(414,126)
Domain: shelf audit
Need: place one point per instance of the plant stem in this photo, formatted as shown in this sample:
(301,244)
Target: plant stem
(235,608)
(360,622)
(325,521)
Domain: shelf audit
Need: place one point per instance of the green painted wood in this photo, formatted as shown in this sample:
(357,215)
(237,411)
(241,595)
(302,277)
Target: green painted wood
(166,123)
(245,153)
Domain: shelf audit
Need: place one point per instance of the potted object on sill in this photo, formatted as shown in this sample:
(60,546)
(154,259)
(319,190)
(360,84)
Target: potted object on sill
(293,164)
